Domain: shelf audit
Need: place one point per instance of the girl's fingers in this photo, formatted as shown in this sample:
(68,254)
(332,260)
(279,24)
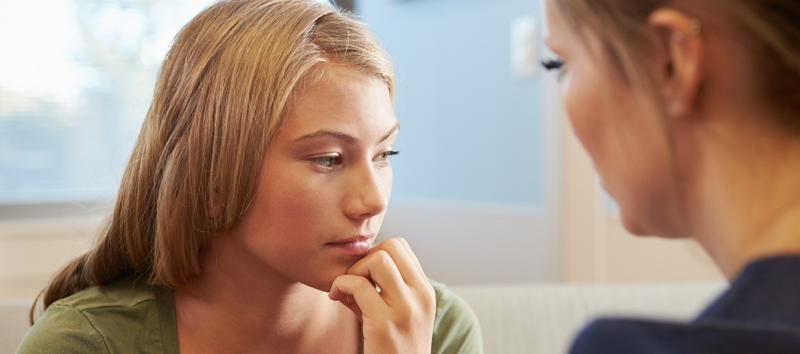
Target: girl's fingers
(405,244)
(351,304)
(406,261)
(348,288)
(380,267)
(400,318)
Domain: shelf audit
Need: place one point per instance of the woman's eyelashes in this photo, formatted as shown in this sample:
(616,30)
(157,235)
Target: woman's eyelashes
(555,64)
(384,158)
(335,160)
(552,64)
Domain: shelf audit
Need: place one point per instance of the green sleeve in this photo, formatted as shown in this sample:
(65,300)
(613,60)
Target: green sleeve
(63,329)
(456,329)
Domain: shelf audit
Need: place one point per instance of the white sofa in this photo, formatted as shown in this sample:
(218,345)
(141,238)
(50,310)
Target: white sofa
(13,323)
(530,319)
(542,319)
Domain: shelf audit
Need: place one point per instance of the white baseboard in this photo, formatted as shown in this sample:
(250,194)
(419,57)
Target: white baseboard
(460,243)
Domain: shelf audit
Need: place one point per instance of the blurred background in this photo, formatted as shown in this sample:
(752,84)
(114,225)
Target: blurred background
(490,188)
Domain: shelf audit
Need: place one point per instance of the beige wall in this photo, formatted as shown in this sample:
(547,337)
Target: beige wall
(32,250)
(636,259)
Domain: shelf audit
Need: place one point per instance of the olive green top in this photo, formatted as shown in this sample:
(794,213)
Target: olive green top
(131,317)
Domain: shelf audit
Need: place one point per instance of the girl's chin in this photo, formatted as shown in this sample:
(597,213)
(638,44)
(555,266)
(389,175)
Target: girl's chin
(333,269)
(325,281)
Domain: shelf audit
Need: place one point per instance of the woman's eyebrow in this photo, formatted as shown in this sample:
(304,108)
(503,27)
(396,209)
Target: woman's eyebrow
(343,136)
(550,44)
(394,129)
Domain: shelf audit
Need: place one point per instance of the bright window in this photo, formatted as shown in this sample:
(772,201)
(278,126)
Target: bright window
(76,79)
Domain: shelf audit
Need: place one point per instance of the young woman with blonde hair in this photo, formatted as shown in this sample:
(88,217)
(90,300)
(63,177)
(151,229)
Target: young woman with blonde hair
(690,111)
(247,213)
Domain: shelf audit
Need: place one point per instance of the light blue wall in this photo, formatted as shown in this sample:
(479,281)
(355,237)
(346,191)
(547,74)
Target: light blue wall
(471,131)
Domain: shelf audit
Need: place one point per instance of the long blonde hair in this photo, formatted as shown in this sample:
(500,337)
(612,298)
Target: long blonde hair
(768,29)
(221,95)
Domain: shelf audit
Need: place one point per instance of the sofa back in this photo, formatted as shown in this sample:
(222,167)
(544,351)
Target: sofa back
(13,323)
(542,319)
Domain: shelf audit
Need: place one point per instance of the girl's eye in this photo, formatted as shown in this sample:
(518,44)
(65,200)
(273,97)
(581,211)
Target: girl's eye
(384,157)
(328,161)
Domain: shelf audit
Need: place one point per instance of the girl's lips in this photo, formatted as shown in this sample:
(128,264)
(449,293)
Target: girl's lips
(358,245)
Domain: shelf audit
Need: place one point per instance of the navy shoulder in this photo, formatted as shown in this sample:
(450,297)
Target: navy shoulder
(628,336)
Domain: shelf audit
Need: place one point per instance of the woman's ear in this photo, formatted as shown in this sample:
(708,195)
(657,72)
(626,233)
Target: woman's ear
(681,58)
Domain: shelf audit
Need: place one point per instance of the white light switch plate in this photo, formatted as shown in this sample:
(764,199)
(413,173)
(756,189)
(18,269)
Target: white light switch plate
(525,47)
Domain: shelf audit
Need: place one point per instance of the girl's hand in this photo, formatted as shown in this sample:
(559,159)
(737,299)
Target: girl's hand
(398,315)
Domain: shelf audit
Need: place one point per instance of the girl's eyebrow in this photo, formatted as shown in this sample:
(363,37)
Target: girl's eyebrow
(343,136)
(328,133)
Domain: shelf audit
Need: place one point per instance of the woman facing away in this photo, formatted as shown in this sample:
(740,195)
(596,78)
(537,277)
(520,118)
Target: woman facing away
(246,215)
(690,111)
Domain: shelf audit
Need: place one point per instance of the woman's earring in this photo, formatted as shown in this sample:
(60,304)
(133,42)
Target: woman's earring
(695,28)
